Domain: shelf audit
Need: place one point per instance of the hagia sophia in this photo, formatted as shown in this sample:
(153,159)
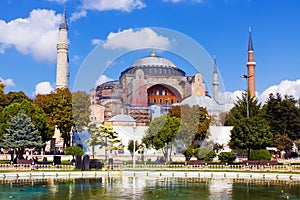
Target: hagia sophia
(147,89)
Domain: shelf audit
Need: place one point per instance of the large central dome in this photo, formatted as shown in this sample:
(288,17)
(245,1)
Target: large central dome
(153,61)
(154,66)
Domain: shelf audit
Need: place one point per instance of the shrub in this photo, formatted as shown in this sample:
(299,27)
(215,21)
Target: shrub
(228,157)
(262,154)
(74,151)
(206,154)
(201,153)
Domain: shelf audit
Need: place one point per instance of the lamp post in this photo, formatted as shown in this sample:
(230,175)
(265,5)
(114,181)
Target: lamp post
(246,77)
(167,99)
(134,130)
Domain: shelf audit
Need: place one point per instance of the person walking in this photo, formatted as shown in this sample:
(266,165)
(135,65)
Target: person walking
(110,160)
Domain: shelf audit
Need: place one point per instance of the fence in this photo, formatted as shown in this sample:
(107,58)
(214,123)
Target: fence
(170,167)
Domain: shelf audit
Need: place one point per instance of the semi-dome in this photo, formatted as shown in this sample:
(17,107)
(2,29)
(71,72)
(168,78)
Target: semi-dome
(154,61)
(121,118)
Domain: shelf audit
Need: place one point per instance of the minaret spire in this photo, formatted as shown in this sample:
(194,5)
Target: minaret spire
(251,66)
(215,81)
(62,65)
(250,44)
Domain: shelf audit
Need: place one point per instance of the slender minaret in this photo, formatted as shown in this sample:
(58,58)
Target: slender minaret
(251,66)
(62,65)
(216,81)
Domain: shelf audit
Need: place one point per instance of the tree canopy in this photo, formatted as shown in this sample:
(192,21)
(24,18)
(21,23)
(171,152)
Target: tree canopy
(81,109)
(21,134)
(283,115)
(239,111)
(162,132)
(251,133)
(35,113)
(58,107)
(74,151)
(196,119)
(103,136)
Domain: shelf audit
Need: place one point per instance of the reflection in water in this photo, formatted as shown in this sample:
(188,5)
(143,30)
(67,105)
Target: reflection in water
(146,188)
(220,189)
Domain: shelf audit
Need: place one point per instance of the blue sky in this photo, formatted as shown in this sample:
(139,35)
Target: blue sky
(29,30)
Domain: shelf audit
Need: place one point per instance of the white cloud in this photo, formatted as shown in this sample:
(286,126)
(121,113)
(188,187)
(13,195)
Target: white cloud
(105,5)
(123,5)
(59,1)
(43,88)
(96,41)
(78,15)
(178,1)
(36,35)
(130,39)
(230,97)
(173,1)
(286,87)
(76,59)
(102,79)
(8,82)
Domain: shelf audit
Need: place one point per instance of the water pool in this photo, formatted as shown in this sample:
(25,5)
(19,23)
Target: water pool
(113,188)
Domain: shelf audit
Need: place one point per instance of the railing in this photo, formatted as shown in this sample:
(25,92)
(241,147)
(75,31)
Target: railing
(153,167)
(35,167)
(211,167)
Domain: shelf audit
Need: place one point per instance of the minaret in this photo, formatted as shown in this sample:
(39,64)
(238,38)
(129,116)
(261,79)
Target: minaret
(215,81)
(251,66)
(62,65)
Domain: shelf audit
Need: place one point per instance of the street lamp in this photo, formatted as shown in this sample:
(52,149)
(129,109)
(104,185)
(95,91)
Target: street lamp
(134,130)
(246,77)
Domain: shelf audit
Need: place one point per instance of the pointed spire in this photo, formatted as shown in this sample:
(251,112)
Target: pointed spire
(64,24)
(250,44)
(215,64)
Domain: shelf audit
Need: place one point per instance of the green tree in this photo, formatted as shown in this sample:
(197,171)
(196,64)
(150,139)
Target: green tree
(36,114)
(81,109)
(131,148)
(104,136)
(161,133)
(63,117)
(2,98)
(283,116)
(251,133)
(58,107)
(197,120)
(96,137)
(206,154)
(239,111)
(110,137)
(21,134)
(201,153)
(262,154)
(2,87)
(16,97)
(228,157)
(282,141)
(74,151)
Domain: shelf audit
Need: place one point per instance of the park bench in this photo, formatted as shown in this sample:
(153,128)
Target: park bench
(196,162)
(260,162)
(97,164)
(25,162)
(268,162)
(250,162)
